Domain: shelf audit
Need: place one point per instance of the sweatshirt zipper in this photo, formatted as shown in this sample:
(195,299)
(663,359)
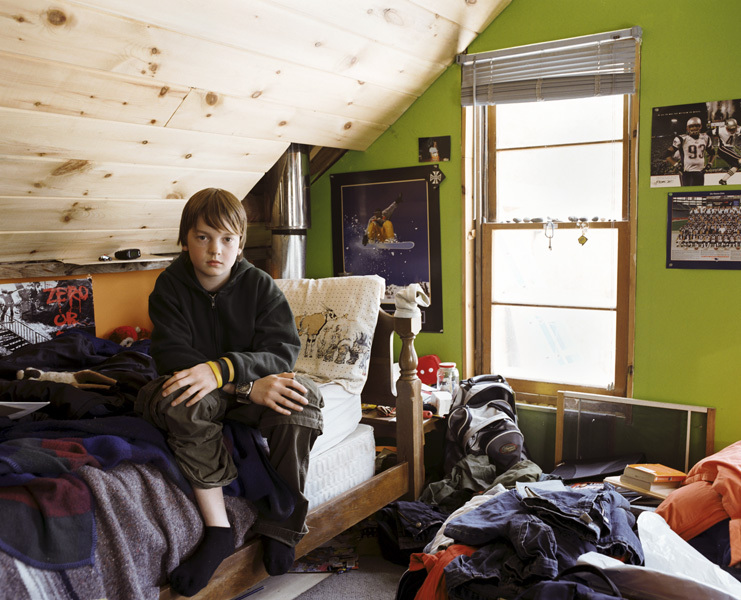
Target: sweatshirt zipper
(214,319)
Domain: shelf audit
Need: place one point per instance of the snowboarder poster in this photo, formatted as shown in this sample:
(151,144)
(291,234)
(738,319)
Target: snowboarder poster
(387,223)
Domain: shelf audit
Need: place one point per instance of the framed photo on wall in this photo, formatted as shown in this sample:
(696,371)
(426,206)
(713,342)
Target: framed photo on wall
(704,230)
(387,223)
(434,149)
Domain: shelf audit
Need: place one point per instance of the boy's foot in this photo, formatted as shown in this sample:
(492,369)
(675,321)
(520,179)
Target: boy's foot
(365,239)
(192,575)
(277,556)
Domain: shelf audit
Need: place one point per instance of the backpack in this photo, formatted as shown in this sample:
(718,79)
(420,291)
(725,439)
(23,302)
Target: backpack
(483,420)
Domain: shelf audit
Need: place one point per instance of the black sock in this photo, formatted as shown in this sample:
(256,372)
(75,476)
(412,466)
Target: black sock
(193,573)
(277,556)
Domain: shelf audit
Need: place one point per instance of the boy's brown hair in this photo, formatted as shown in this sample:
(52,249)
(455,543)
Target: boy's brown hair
(218,209)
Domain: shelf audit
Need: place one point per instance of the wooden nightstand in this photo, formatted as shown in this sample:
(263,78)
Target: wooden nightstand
(433,449)
(386,426)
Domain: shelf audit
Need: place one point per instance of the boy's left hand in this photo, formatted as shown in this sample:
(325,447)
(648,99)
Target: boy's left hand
(196,382)
(280,392)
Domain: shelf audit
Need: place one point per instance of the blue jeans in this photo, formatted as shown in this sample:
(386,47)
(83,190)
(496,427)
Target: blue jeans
(411,524)
(525,540)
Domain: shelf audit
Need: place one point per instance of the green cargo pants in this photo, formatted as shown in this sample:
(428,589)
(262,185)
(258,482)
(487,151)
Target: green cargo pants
(194,434)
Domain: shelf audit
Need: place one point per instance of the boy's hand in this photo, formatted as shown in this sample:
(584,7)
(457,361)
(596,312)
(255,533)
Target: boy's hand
(195,382)
(280,392)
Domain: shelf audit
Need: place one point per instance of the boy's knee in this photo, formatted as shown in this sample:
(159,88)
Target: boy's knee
(313,395)
(149,396)
(158,409)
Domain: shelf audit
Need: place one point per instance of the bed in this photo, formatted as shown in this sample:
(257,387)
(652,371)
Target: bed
(117,516)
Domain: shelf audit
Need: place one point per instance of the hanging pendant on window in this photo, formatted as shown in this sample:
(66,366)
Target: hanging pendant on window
(583,237)
(548,228)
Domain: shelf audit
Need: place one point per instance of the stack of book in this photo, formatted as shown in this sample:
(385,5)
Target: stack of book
(652,477)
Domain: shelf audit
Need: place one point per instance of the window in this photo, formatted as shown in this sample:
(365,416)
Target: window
(554,196)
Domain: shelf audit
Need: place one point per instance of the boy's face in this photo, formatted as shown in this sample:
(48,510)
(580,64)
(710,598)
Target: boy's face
(213,252)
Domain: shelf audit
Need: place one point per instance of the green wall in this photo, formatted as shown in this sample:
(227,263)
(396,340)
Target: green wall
(436,113)
(688,330)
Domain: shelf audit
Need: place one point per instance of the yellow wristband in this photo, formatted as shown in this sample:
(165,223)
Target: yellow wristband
(217,373)
(230,366)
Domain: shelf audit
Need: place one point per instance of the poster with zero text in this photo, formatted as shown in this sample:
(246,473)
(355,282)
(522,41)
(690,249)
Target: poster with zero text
(32,312)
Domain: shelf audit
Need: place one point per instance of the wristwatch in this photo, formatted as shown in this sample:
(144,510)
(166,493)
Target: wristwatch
(244,389)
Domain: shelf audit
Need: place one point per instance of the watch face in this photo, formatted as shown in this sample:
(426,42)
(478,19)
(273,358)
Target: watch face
(243,391)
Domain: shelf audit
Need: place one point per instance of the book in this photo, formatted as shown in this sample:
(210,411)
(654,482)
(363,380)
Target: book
(658,490)
(16,410)
(654,473)
(649,485)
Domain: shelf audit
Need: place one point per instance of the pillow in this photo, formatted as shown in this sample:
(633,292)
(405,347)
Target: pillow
(335,318)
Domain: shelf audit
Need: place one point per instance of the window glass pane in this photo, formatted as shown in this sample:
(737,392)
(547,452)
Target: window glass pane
(569,346)
(559,122)
(526,271)
(579,181)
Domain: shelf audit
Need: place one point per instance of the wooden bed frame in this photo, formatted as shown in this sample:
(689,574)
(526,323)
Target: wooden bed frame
(244,568)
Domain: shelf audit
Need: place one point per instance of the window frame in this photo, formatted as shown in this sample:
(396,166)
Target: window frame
(478,256)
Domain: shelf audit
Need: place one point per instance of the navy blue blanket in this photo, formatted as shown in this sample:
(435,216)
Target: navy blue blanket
(75,351)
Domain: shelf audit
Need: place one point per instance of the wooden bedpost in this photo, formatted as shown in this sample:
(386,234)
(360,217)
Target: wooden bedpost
(409,426)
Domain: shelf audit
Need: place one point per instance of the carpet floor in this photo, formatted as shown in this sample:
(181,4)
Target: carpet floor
(375,579)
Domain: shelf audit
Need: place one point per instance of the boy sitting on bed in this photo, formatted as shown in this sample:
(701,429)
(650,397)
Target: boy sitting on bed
(224,342)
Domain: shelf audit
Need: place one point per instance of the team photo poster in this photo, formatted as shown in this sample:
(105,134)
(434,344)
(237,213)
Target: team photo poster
(696,144)
(704,230)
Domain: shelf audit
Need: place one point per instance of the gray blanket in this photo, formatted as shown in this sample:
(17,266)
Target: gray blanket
(146,526)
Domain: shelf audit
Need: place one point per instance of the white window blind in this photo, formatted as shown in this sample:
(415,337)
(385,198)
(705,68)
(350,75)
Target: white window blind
(594,65)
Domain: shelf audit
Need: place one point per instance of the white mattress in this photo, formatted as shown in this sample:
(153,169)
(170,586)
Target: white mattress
(341,413)
(341,467)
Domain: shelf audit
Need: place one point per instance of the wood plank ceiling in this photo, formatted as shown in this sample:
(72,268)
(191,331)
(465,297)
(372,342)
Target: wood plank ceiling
(113,112)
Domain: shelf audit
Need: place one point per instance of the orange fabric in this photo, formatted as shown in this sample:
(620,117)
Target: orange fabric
(711,493)
(691,509)
(433,587)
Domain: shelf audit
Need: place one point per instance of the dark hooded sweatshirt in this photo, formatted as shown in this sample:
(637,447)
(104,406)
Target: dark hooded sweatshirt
(248,320)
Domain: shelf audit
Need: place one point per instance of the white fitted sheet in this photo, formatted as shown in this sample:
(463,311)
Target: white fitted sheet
(341,467)
(341,413)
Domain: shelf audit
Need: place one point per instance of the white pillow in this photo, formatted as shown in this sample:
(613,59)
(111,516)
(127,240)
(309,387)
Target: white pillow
(335,318)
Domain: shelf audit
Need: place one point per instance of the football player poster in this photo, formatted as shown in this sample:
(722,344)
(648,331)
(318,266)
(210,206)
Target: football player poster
(704,230)
(696,144)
